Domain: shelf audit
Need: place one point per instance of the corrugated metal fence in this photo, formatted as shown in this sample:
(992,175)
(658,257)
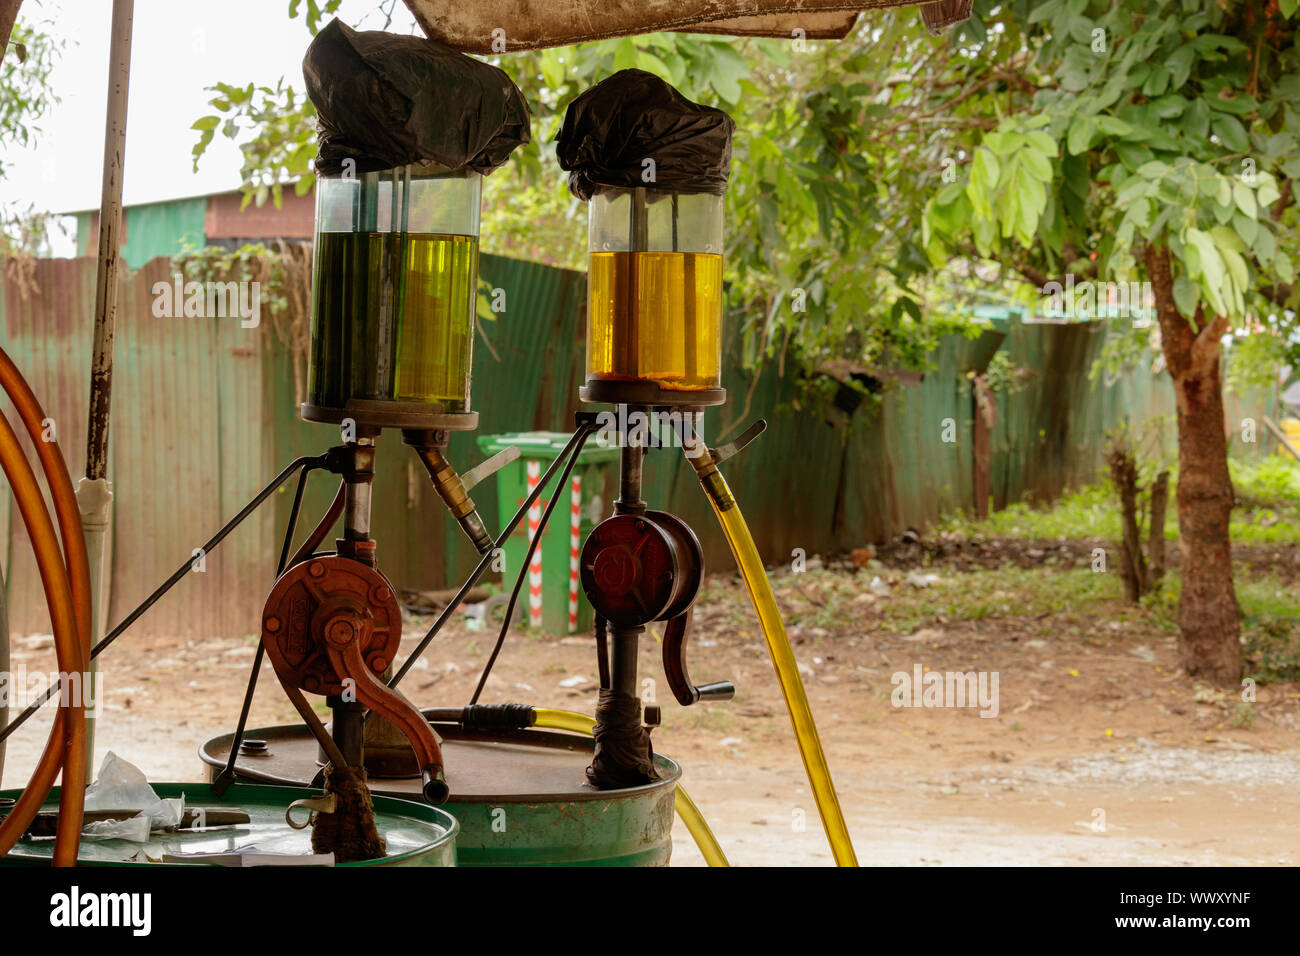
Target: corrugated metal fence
(205,413)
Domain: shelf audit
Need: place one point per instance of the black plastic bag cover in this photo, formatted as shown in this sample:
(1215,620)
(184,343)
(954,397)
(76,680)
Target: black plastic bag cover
(387,100)
(610,130)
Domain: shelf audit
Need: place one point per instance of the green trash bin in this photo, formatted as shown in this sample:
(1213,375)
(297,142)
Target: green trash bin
(556,602)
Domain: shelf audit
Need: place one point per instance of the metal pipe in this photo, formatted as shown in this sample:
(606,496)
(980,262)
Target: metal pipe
(631,463)
(348,728)
(349,717)
(110,226)
(356,501)
(452,491)
(626,642)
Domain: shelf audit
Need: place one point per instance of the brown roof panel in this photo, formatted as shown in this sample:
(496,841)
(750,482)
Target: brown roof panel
(292,220)
(495,26)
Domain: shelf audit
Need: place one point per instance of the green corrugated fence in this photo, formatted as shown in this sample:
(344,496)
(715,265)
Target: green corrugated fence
(205,412)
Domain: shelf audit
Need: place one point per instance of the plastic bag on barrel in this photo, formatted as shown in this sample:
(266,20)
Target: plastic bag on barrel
(634,129)
(386,100)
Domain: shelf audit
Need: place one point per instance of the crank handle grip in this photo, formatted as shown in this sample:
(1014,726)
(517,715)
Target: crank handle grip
(717,690)
(679,679)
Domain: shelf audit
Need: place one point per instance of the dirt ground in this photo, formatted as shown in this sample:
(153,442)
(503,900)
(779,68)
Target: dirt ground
(1102,751)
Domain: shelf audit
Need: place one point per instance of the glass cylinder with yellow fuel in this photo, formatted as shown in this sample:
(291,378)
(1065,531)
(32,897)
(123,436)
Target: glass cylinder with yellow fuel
(654,307)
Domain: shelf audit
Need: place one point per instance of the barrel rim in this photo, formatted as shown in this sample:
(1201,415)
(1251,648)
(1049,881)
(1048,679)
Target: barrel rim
(423,813)
(671,771)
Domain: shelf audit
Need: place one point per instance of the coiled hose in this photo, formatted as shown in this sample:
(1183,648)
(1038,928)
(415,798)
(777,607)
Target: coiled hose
(686,809)
(65,575)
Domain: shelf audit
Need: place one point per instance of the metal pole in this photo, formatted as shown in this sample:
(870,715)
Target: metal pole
(94,492)
(349,716)
(110,227)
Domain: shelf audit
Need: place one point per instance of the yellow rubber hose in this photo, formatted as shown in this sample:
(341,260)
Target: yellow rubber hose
(778,646)
(686,809)
(694,820)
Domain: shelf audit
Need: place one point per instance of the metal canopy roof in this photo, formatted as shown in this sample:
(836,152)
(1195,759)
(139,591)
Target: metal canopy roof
(496,26)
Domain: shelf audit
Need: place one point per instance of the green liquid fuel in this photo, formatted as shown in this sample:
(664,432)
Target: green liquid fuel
(393,318)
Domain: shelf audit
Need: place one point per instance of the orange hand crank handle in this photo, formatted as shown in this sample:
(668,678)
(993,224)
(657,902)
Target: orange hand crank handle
(383,700)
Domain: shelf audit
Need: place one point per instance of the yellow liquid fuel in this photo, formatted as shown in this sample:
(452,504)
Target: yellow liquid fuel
(393,318)
(655,316)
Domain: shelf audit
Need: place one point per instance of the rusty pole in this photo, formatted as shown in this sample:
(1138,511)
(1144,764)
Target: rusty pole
(94,492)
(110,228)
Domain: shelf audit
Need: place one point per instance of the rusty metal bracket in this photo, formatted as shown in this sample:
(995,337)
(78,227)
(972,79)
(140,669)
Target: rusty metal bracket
(489,467)
(733,448)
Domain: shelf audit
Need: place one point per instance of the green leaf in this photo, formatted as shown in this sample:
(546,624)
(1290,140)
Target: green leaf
(983,180)
(1185,296)
(1225,238)
(1036,164)
(1169,106)
(948,195)
(1180,65)
(728,68)
(206,123)
(625,54)
(1196,121)
(1157,82)
(1042,142)
(1113,126)
(1133,155)
(1236,267)
(1267,193)
(1079,139)
(1230,132)
(1282,266)
(1264,243)
(1247,227)
(1244,198)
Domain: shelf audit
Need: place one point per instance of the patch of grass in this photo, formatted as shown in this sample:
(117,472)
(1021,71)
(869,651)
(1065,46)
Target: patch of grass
(1003,592)
(1269,611)
(1090,512)
(1242,716)
(1268,500)
(1270,623)
(1267,512)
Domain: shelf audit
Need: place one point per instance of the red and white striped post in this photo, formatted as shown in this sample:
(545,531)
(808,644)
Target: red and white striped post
(575,521)
(535,568)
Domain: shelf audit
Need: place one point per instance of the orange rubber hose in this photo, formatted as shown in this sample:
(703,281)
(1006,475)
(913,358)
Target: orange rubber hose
(66,577)
(71,659)
(61,489)
(77,563)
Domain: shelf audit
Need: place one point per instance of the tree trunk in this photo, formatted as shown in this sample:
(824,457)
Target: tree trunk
(8,14)
(1132,569)
(1209,618)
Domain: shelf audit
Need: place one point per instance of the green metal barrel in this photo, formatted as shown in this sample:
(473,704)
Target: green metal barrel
(520,796)
(416,834)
